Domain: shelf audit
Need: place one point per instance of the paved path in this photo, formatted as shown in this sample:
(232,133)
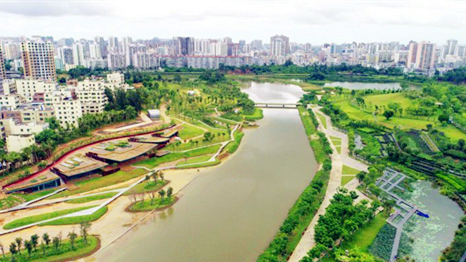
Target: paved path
(463,258)
(120,192)
(338,160)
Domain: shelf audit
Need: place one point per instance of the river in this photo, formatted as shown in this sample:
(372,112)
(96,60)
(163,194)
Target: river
(232,212)
(359,85)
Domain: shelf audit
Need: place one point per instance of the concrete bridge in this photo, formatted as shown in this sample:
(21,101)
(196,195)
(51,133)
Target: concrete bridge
(277,105)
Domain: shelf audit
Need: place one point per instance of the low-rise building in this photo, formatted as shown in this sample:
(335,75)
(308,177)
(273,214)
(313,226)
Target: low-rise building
(12,127)
(11,101)
(28,87)
(16,143)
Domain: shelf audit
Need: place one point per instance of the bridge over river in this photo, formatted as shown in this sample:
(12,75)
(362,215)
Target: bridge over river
(277,105)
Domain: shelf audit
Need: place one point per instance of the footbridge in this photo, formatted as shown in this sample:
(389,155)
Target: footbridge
(277,105)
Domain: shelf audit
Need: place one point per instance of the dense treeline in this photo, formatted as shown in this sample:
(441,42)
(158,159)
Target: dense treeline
(342,219)
(456,76)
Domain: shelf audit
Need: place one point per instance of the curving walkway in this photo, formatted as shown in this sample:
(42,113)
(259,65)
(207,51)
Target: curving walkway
(307,241)
(120,192)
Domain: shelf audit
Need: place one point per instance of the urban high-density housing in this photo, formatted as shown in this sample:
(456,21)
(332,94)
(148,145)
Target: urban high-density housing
(117,53)
(29,92)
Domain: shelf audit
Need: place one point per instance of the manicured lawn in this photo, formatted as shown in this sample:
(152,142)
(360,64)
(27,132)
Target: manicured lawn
(153,162)
(336,141)
(346,179)
(64,253)
(233,145)
(188,132)
(99,182)
(35,195)
(323,120)
(311,132)
(202,164)
(91,198)
(149,205)
(37,218)
(353,112)
(349,170)
(79,219)
(194,160)
(258,114)
(452,132)
(364,236)
(385,99)
(405,123)
(147,186)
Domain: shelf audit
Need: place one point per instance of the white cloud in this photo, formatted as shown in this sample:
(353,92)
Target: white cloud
(312,21)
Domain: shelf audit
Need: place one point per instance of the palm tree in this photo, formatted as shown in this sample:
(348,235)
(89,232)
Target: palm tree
(162,194)
(19,242)
(72,237)
(28,245)
(46,239)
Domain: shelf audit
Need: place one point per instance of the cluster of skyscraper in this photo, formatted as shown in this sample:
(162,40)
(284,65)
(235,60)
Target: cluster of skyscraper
(38,57)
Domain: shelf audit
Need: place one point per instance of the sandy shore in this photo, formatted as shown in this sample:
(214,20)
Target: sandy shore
(115,223)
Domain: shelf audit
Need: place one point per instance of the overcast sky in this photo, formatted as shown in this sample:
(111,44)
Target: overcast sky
(314,22)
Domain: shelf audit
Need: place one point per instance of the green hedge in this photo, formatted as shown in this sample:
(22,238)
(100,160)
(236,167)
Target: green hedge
(303,211)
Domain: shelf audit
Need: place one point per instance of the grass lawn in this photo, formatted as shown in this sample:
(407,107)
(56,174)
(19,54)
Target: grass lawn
(323,120)
(353,112)
(346,179)
(91,198)
(157,203)
(99,182)
(79,219)
(258,114)
(153,162)
(233,145)
(363,237)
(65,253)
(405,123)
(349,170)
(452,132)
(35,195)
(37,218)
(311,131)
(201,164)
(385,99)
(147,186)
(336,140)
(194,160)
(188,132)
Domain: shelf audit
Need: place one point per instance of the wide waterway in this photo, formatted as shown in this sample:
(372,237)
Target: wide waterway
(231,212)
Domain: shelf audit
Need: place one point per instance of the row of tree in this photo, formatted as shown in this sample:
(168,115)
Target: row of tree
(47,247)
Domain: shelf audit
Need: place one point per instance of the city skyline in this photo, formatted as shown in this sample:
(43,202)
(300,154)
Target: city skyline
(315,22)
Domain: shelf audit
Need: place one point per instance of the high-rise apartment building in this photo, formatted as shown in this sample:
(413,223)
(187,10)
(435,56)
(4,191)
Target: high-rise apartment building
(38,60)
(183,45)
(2,64)
(421,55)
(450,49)
(279,45)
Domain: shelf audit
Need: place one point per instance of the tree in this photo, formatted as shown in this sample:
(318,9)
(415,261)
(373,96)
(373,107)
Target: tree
(162,194)
(13,249)
(443,118)
(388,114)
(169,192)
(85,227)
(387,207)
(2,249)
(130,112)
(177,78)
(35,241)
(19,242)
(56,243)
(28,245)
(72,237)
(360,176)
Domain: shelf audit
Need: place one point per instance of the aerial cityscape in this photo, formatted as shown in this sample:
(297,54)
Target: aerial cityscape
(211,132)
